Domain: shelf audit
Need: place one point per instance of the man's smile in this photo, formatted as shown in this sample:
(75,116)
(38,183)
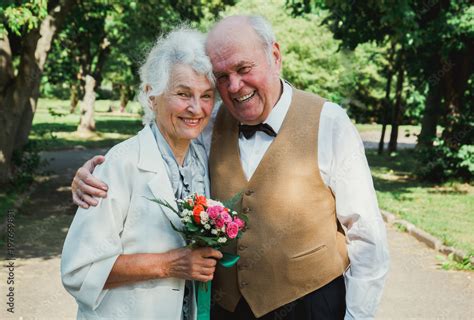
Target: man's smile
(245,97)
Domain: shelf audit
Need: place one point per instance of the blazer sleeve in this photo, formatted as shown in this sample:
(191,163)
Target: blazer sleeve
(93,242)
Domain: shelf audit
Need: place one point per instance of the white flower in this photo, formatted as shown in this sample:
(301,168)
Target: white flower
(204,217)
(207,226)
(234,213)
(186,219)
(212,203)
(187,212)
(222,240)
(214,231)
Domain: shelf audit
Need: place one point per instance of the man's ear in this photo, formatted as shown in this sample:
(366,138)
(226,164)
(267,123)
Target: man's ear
(276,55)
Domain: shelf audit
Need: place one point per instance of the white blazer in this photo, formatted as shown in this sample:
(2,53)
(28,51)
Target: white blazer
(124,223)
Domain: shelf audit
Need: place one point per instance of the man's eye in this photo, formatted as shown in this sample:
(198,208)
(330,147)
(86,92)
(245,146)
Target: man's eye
(221,77)
(182,94)
(244,70)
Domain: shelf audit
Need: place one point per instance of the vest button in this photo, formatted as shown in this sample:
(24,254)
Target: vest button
(246,210)
(242,266)
(243,284)
(242,247)
(249,192)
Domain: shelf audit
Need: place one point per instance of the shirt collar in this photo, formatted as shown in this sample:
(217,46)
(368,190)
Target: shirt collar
(278,113)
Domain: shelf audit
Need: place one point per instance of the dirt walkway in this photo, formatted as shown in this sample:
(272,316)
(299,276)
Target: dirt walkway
(416,288)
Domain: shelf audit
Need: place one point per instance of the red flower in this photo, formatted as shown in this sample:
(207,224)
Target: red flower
(200,200)
(197,213)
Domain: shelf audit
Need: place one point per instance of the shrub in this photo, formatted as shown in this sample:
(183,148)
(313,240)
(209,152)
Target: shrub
(442,162)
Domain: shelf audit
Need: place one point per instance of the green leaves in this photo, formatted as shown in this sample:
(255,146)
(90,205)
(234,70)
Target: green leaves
(25,17)
(232,202)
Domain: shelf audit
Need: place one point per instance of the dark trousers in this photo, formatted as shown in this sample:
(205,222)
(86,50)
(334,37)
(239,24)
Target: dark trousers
(328,302)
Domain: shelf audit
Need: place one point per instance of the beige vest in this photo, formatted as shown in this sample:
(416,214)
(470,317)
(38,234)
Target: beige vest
(294,243)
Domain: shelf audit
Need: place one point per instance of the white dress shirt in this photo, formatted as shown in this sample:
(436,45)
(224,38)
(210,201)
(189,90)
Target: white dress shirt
(344,169)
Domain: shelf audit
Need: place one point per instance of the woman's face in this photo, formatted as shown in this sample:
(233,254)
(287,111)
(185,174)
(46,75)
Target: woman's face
(183,110)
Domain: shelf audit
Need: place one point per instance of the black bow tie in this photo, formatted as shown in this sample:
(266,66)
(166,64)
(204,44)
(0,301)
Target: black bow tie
(249,131)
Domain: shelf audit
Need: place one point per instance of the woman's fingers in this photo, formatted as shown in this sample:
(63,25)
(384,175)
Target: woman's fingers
(210,253)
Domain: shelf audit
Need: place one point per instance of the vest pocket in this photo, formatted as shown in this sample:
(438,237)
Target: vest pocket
(309,252)
(307,269)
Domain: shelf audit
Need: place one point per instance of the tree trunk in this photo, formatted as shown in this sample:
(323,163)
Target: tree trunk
(431,115)
(124,97)
(386,102)
(392,145)
(386,110)
(74,97)
(87,122)
(19,90)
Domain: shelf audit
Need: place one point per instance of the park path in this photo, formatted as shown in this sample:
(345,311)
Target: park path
(416,287)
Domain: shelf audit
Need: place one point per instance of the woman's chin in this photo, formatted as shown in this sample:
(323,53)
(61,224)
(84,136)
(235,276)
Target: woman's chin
(190,134)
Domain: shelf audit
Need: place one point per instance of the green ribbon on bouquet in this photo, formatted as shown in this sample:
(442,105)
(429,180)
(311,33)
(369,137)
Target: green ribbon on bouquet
(203,289)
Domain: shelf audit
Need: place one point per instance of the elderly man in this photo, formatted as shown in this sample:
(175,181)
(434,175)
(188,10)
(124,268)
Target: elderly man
(307,190)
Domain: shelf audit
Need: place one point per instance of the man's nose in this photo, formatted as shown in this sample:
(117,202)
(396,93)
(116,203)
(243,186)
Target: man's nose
(234,83)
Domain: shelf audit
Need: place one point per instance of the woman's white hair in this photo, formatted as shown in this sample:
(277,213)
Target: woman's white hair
(184,46)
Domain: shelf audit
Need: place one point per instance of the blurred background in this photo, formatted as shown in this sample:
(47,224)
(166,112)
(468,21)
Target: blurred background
(403,71)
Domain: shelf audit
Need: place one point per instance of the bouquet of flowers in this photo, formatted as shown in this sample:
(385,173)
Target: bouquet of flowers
(207,222)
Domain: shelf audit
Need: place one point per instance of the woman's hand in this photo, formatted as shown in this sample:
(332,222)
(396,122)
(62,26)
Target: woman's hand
(85,186)
(192,264)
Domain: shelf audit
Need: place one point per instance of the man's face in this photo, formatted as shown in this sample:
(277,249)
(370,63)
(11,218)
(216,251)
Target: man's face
(247,80)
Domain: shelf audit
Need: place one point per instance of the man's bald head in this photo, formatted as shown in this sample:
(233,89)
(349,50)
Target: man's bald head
(243,25)
(246,61)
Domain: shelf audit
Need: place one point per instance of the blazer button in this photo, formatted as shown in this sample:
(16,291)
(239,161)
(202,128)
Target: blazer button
(246,210)
(249,192)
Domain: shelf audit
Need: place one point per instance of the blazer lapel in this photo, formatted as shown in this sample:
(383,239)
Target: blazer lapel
(160,185)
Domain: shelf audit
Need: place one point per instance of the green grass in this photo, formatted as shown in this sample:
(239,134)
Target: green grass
(444,210)
(7,199)
(361,127)
(55,128)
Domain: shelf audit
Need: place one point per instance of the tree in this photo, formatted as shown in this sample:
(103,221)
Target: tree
(435,39)
(26,33)
(313,60)
(109,40)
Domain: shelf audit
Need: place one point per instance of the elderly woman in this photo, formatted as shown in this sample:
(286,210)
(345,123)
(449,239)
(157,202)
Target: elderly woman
(122,258)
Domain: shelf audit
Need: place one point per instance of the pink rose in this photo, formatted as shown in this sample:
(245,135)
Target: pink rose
(214,211)
(240,223)
(232,230)
(226,216)
(220,222)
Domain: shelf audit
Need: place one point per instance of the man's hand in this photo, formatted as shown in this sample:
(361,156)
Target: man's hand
(85,186)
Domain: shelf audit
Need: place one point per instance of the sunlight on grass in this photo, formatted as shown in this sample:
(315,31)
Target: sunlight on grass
(443,210)
(55,128)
